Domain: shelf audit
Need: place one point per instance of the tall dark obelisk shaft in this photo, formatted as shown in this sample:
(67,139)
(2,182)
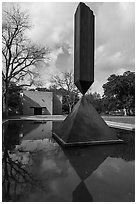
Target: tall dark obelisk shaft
(84,48)
(84,126)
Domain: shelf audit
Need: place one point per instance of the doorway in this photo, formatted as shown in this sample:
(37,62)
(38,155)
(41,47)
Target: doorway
(37,111)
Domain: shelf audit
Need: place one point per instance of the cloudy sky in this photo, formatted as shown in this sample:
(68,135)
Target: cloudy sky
(53,26)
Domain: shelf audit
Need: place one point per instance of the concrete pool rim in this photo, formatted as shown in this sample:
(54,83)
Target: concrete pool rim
(123,126)
(88,143)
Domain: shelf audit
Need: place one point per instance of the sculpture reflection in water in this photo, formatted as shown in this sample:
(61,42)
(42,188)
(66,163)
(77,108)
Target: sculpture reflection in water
(85,161)
(37,169)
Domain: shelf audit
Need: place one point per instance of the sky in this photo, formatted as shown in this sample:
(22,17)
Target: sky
(53,26)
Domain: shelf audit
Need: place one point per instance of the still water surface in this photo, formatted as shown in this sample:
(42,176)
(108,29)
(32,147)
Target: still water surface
(36,168)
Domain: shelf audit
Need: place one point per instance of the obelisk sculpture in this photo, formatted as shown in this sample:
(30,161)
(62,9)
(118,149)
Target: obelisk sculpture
(84,48)
(84,126)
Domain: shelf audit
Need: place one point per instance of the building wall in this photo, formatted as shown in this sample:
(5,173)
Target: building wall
(26,107)
(45,111)
(29,101)
(51,102)
(57,104)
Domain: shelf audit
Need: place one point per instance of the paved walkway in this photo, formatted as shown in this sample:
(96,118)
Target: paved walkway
(38,117)
(124,126)
(120,119)
(44,117)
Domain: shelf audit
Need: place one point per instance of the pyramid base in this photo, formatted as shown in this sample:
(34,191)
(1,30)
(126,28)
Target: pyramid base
(84,126)
(88,143)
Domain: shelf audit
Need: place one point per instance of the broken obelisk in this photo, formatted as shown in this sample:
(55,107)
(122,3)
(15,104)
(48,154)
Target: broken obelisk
(84,126)
(84,48)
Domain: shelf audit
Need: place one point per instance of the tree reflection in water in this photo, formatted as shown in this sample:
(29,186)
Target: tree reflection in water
(16,164)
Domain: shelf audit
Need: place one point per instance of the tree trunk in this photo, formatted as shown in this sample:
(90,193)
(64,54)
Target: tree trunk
(69,108)
(5,103)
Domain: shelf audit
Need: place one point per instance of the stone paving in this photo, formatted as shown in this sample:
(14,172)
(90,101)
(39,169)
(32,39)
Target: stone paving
(124,126)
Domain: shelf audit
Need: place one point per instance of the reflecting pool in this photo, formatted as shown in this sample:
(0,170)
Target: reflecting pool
(37,169)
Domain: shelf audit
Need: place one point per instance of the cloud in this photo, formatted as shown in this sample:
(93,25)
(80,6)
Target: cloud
(64,60)
(115,34)
(53,22)
(53,25)
(115,39)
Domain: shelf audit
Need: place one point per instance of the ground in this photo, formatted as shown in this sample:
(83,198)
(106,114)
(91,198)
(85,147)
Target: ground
(120,119)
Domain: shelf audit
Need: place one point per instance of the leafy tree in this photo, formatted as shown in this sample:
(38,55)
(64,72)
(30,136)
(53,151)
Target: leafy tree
(95,99)
(14,99)
(64,84)
(119,92)
(20,56)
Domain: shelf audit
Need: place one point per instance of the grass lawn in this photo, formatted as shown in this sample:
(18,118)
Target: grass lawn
(120,119)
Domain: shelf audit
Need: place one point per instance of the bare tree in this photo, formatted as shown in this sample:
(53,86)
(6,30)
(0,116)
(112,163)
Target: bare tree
(19,54)
(65,82)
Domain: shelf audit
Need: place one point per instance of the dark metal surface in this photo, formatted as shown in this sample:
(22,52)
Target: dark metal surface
(84,48)
(85,126)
